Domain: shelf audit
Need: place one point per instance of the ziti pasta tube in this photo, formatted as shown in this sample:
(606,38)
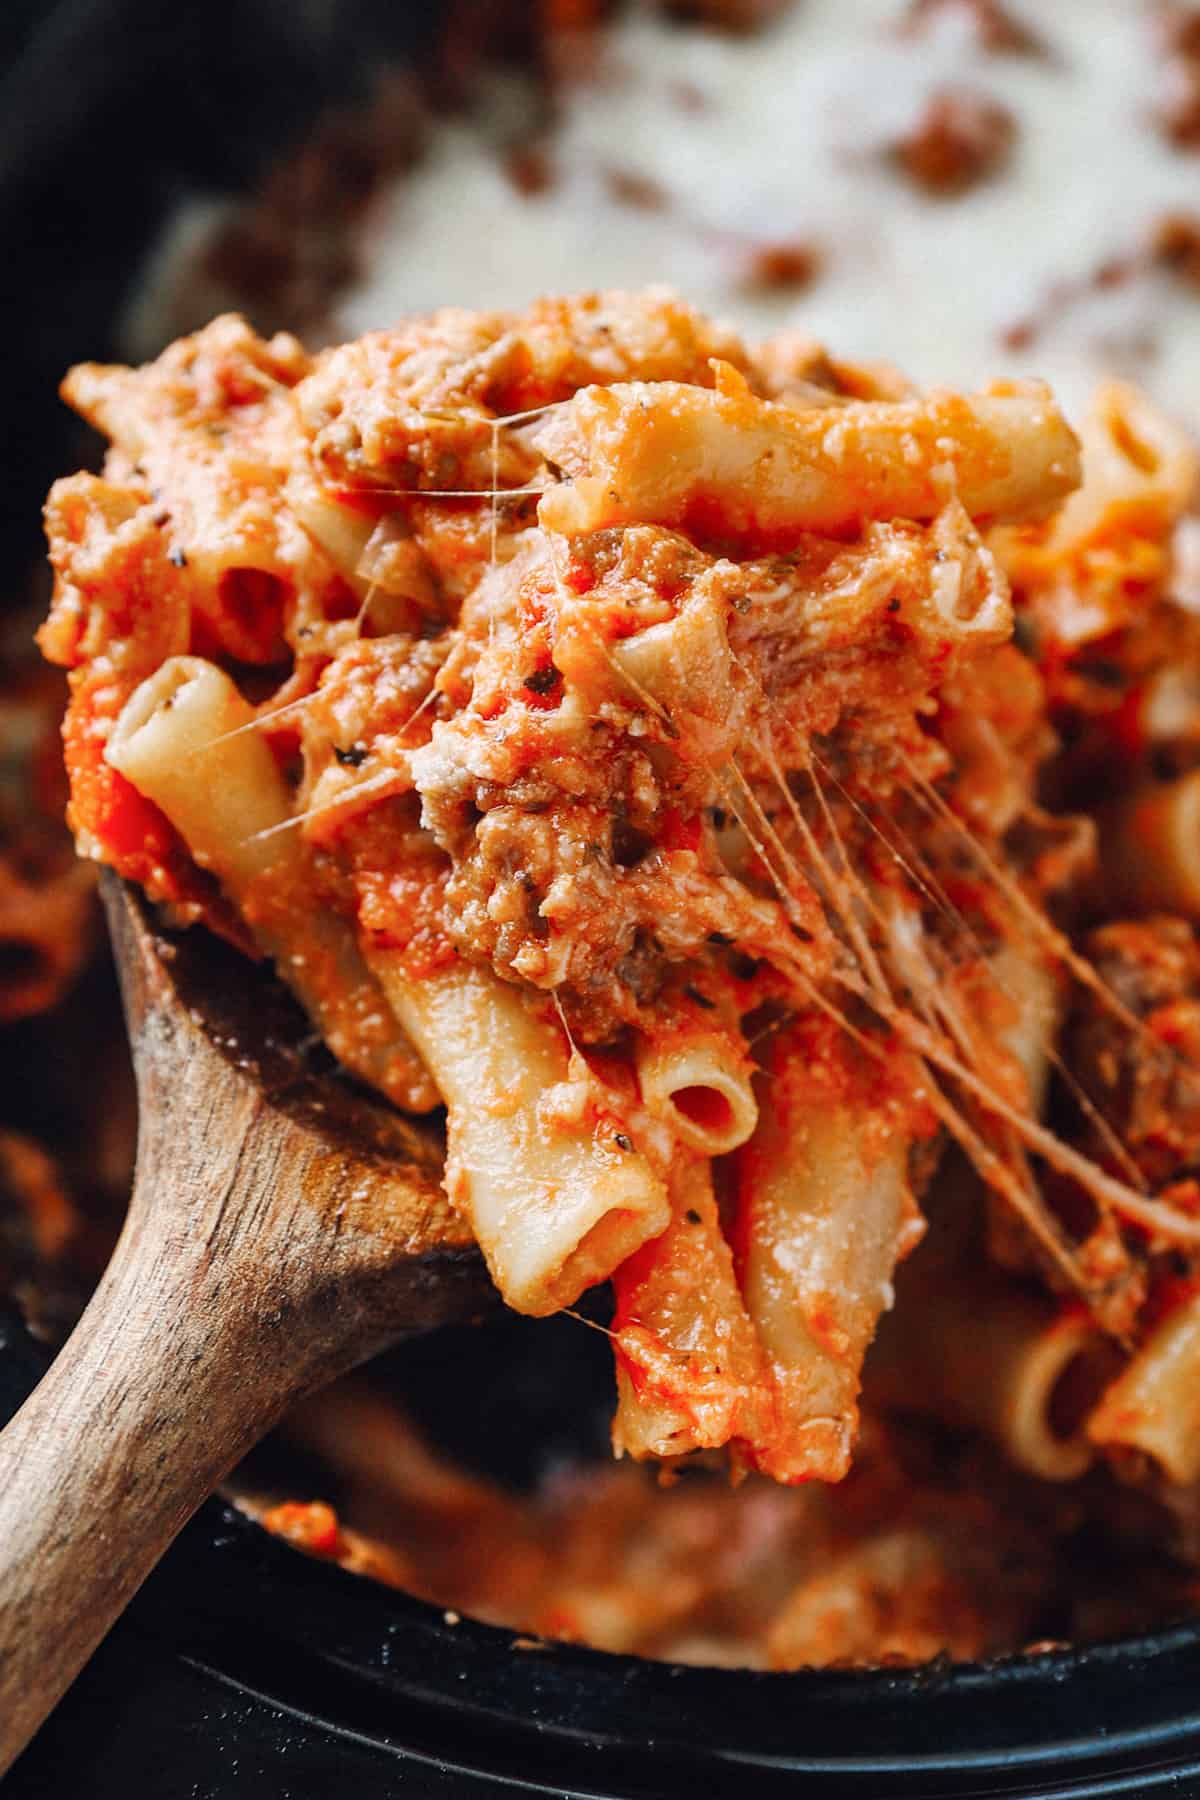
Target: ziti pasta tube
(187,740)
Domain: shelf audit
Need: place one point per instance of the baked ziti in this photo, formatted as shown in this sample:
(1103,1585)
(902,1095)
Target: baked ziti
(759,801)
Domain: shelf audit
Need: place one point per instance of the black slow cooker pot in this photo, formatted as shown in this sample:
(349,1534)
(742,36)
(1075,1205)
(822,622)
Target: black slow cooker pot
(244,1667)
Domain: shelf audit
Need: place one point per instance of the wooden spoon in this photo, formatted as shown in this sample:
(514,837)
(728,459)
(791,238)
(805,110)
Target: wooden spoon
(283,1228)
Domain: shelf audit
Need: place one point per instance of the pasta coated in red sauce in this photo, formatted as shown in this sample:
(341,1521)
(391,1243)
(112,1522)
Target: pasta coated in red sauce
(756,807)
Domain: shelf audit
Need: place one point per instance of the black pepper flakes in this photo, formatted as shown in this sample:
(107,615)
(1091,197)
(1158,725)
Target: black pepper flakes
(177,557)
(692,1216)
(353,758)
(622,1142)
(543,681)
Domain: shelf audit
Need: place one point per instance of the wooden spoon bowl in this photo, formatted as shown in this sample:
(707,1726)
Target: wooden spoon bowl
(284,1226)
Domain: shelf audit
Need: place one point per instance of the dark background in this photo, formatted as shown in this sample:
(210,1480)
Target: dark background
(244,1668)
(110,112)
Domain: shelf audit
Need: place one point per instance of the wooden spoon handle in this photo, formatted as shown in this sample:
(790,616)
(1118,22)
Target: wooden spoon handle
(146,1408)
(262,1256)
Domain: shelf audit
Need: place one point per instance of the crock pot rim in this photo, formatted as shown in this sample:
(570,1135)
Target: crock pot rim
(1122,1698)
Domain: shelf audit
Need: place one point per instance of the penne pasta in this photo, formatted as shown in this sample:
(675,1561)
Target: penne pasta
(689,1367)
(181,741)
(343,532)
(762,467)
(217,470)
(995,1356)
(174,741)
(557,1192)
(1139,470)
(1088,570)
(702,1088)
(1151,1412)
(823,1213)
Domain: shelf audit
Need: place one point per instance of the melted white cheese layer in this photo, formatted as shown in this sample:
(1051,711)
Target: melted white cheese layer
(782,138)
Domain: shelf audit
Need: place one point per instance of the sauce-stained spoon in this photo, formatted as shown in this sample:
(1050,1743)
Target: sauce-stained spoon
(283,1228)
